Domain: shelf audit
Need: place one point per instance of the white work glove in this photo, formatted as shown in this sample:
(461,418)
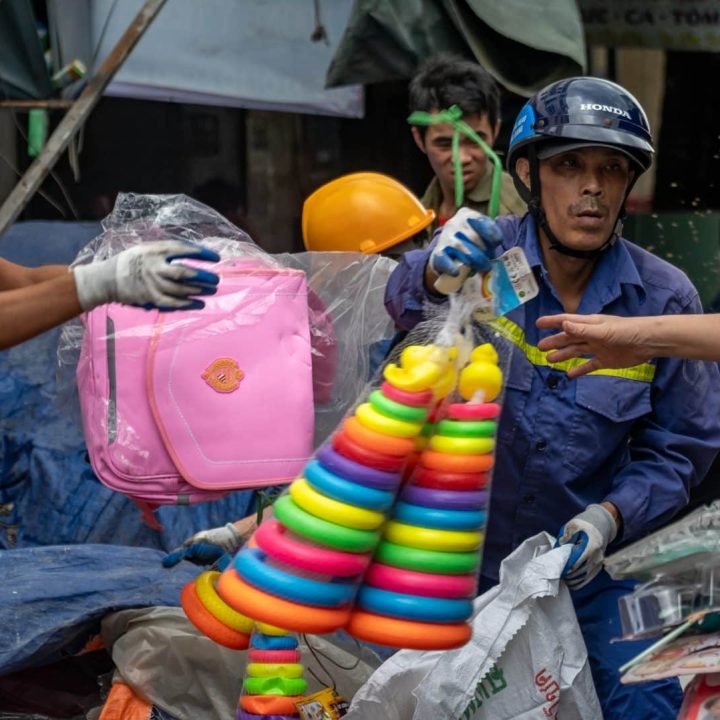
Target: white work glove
(590,532)
(146,275)
(207,546)
(466,245)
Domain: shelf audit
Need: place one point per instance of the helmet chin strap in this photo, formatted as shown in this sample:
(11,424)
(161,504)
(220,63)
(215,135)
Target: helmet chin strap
(536,210)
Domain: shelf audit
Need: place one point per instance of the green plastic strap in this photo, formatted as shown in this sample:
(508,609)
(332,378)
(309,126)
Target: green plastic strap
(453,116)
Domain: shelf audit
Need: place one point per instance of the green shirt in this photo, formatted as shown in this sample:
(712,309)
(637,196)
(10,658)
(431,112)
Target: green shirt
(476,199)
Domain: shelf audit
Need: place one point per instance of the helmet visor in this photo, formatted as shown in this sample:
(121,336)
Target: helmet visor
(550,149)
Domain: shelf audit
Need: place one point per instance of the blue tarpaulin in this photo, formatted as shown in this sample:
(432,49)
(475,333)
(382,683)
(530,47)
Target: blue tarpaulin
(53,598)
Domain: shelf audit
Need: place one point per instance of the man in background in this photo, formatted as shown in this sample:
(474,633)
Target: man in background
(444,81)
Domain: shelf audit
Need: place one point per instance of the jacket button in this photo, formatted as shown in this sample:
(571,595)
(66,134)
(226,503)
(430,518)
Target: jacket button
(540,445)
(553,381)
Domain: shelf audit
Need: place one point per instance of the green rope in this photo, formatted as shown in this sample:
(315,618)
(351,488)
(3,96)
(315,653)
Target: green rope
(453,116)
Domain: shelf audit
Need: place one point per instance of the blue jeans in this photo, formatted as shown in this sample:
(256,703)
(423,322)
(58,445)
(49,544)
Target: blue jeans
(597,611)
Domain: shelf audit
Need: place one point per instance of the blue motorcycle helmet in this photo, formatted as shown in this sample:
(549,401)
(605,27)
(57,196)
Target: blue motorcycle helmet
(570,114)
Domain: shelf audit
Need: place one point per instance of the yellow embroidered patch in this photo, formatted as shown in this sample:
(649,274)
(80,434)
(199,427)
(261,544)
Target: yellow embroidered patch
(223,375)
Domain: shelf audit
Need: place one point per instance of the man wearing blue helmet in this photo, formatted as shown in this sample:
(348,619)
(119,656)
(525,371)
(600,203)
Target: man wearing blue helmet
(599,460)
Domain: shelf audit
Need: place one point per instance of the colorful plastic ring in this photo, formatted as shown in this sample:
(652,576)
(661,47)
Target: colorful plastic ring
(431,539)
(473,411)
(267,629)
(261,606)
(207,623)
(456,463)
(273,656)
(443,563)
(428,517)
(242,715)
(273,539)
(412,582)
(357,453)
(439,480)
(270,705)
(396,633)
(250,566)
(336,463)
(347,491)
(413,607)
(376,441)
(283,670)
(368,416)
(385,406)
(414,399)
(467,428)
(323,532)
(275,686)
(445,499)
(462,446)
(260,641)
(215,605)
(321,506)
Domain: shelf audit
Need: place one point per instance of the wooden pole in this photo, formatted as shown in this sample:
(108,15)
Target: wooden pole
(76,116)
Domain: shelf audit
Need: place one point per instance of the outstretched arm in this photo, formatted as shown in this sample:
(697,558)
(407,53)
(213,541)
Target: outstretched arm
(33,300)
(616,342)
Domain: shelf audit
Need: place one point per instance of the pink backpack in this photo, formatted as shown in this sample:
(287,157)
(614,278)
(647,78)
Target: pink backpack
(182,407)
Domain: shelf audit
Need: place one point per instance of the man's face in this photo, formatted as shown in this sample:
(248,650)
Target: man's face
(582,192)
(437,145)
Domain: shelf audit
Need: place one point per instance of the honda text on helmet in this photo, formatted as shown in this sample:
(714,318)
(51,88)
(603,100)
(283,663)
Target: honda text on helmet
(571,114)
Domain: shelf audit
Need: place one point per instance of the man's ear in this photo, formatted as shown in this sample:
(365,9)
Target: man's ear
(522,169)
(495,132)
(418,138)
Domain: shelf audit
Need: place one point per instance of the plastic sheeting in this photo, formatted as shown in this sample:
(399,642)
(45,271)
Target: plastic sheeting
(167,660)
(236,53)
(53,598)
(48,493)
(524,44)
(23,73)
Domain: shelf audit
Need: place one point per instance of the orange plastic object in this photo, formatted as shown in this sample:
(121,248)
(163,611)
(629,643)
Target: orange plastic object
(373,440)
(456,463)
(208,624)
(270,704)
(267,608)
(411,634)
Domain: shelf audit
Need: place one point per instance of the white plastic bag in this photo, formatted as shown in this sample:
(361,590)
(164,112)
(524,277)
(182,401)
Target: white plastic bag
(166,660)
(526,659)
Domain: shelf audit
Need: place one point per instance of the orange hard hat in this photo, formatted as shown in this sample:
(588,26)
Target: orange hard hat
(362,212)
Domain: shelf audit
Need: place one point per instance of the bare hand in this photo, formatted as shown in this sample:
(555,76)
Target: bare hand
(609,341)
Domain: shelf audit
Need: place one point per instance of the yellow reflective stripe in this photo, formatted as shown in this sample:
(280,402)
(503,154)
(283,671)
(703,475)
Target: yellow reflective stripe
(516,335)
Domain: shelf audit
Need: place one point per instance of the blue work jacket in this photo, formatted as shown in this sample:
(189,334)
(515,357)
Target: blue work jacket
(638,437)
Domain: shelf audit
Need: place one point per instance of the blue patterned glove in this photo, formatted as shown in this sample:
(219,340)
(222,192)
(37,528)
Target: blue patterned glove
(206,547)
(466,245)
(590,533)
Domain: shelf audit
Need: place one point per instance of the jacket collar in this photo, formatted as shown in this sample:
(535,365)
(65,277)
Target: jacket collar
(614,269)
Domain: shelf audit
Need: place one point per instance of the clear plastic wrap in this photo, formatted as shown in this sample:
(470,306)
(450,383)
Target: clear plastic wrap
(683,546)
(323,347)
(329,558)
